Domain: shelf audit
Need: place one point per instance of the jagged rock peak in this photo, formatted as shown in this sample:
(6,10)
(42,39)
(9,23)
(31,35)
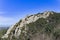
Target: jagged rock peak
(15,30)
(46,12)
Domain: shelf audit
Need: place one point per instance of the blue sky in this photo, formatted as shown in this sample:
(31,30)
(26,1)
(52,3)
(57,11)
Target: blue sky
(13,10)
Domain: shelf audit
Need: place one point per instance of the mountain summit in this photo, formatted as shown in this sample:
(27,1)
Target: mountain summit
(40,26)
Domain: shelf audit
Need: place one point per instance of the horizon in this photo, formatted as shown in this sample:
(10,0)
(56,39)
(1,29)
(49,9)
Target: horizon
(11,11)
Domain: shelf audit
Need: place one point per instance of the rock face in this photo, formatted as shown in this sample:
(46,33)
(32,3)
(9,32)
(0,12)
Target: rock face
(24,21)
(21,27)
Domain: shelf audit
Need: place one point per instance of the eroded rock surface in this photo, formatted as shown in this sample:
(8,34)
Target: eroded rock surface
(16,29)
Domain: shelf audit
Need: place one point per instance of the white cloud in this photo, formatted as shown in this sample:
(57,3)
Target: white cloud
(7,20)
(2,12)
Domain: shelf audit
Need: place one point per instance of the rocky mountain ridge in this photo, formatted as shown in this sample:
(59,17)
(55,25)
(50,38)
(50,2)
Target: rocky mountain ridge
(22,27)
(24,21)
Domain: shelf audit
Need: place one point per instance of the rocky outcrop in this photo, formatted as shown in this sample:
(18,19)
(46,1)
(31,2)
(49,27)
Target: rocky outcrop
(16,29)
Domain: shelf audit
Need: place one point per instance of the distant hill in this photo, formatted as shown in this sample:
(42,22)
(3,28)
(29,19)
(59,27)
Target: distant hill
(4,27)
(1,28)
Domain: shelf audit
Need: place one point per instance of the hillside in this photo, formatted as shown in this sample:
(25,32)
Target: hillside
(40,26)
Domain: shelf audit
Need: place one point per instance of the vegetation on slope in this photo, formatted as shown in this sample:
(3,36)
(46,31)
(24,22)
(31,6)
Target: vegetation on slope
(47,26)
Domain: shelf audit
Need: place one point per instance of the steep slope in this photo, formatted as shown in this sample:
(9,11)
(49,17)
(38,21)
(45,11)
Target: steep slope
(41,26)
